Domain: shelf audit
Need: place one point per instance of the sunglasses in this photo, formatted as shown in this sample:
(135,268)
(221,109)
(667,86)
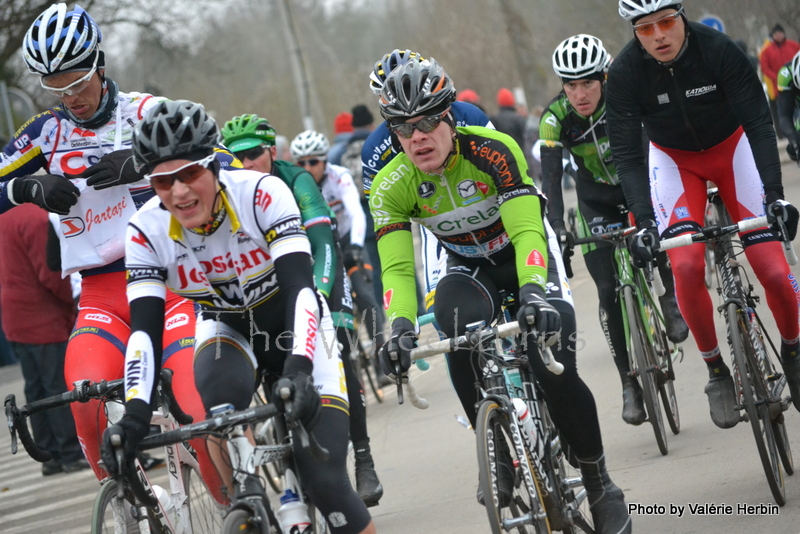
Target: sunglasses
(426,125)
(75,87)
(251,153)
(309,162)
(187,174)
(665,23)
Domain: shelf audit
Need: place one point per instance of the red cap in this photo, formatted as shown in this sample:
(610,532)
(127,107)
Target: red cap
(505,98)
(343,123)
(468,95)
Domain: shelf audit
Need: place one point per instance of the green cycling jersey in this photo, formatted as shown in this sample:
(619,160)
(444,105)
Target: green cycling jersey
(483,208)
(316,218)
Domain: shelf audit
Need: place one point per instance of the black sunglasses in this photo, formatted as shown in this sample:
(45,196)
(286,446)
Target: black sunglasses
(309,162)
(251,153)
(426,125)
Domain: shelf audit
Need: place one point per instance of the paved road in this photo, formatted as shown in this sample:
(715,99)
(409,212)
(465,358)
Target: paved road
(426,459)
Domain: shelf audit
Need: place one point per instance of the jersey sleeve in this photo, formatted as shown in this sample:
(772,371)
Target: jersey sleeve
(146,275)
(352,203)
(552,166)
(24,154)
(315,217)
(278,218)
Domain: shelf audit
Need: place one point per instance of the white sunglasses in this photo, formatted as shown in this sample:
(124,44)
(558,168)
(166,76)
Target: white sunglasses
(75,87)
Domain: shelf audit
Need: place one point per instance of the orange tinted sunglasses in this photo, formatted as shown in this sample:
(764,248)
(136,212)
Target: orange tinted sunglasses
(665,23)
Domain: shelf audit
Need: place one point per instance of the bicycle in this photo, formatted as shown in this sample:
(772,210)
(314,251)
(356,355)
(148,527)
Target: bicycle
(186,508)
(759,385)
(650,353)
(363,358)
(548,493)
(251,511)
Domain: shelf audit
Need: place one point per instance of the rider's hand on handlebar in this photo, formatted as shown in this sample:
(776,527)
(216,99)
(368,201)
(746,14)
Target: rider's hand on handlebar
(644,244)
(131,429)
(779,209)
(397,350)
(546,319)
(305,400)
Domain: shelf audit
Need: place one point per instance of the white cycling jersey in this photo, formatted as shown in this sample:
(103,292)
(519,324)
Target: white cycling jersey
(342,196)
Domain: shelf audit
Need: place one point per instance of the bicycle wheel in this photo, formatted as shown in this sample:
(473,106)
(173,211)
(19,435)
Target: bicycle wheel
(665,375)
(367,366)
(525,512)
(754,396)
(273,471)
(782,442)
(646,367)
(240,521)
(111,515)
(205,512)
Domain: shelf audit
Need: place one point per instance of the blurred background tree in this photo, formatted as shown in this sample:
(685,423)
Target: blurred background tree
(233,55)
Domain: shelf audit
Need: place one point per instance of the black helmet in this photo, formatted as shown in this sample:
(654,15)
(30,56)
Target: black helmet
(416,88)
(174,129)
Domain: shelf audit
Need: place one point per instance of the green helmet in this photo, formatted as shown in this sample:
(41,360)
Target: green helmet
(247,131)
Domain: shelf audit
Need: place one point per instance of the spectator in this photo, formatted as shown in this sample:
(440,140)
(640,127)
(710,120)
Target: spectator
(342,131)
(39,316)
(507,119)
(775,54)
(753,59)
(470,97)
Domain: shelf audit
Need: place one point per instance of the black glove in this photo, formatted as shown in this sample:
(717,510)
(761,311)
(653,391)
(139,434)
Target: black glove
(533,307)
(777,208)
(567,243)
(115,168)
(132,428)
(398,347)
(49,191)
(644,245)
(305,400)
(794,151)
(353,257)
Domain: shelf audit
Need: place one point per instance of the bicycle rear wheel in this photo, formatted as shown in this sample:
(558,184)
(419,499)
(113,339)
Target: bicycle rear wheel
(525,511)
(204,511)
(367,369)
(646,367)
(754,396)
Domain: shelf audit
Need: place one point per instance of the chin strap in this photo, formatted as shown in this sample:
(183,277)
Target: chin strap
(216,219)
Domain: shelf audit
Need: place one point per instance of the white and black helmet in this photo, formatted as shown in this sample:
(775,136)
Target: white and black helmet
(309,143)
(59,39)
(580,56)
(174,129)
(416,88)
(795,68)
(631,10)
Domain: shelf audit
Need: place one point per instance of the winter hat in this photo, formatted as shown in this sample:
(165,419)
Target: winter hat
(505,98)
(468,95)
(343,123)
(776,28)
(361,116)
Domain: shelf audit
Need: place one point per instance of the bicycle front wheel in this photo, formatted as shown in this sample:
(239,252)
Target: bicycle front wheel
(205,512)
(240,521)
(366,363)
(523,512)
(111,515)
(646,367)
(754,396)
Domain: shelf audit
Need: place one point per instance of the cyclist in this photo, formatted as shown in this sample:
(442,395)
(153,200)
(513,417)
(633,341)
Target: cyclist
(309,150)
(379,149)
(576,119)
(252,139)
(471,188)
(704,112)
(233,242)
(87,139)
(789,105)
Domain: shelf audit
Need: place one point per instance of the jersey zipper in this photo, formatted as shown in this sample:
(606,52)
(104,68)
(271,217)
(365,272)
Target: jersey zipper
(457,212)
(683,111)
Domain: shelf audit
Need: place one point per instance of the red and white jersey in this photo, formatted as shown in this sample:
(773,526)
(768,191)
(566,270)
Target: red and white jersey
(342,196)
(230,269)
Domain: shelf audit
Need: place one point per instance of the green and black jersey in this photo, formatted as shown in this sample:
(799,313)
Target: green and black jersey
(585,138)
(788,104)
(483,208)
(316,218)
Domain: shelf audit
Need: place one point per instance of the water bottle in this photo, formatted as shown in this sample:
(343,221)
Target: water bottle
(166,503)
(525,422)
(293,514)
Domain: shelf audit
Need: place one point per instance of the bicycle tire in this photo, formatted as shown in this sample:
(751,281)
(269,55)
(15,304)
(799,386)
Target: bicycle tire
(645,364)
(752,385)
(492,424)
(205,512)
(782,442)
(240,521)
(103,515)
(666,371)
(366,368)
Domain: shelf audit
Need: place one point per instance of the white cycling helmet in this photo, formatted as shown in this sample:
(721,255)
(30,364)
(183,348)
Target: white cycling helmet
(309,143)
(795,68)
(631,10)
(580,56)
(58,40)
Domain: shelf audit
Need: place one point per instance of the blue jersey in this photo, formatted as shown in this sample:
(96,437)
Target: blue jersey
(377,150)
